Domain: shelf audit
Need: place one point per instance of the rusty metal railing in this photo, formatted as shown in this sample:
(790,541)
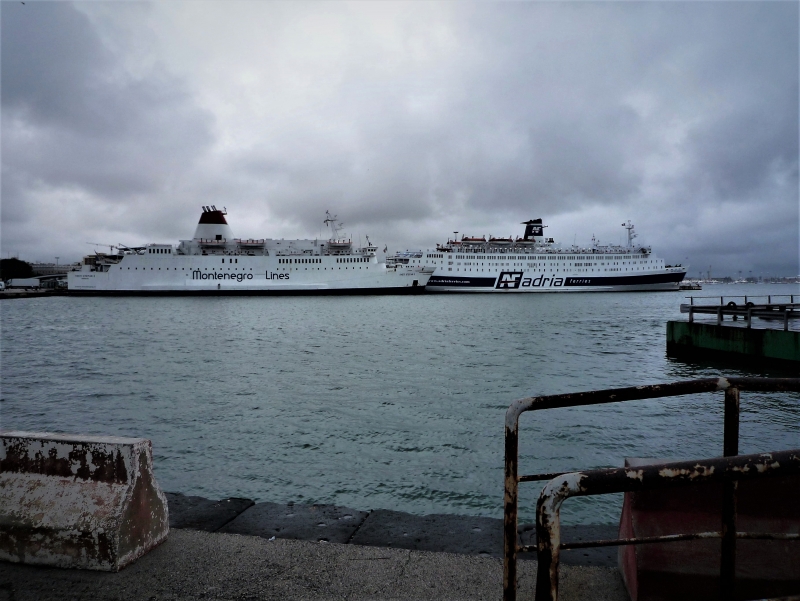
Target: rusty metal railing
(730,386)
(656,476)
(783,312)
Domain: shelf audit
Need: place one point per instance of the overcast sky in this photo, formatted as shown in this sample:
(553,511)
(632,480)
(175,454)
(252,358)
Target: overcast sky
(407,120)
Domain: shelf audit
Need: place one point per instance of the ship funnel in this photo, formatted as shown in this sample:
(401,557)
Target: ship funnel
(212,225)
(533,228)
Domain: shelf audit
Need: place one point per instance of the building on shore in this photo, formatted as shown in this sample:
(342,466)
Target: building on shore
(53,268)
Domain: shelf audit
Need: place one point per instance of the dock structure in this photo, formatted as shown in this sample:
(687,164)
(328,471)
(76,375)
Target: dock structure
(761,330)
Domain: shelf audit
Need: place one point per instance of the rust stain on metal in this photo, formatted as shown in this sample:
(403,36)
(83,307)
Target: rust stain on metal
(547,579)
(510,503)
(595,482)
(698,471)
(764,468)
(635,474)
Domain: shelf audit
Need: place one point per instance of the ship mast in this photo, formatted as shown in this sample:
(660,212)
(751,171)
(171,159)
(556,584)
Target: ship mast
(335,226)
(631,234)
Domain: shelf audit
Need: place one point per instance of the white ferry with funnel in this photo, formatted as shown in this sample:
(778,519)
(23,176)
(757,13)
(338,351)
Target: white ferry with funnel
(215,262)
(535,263)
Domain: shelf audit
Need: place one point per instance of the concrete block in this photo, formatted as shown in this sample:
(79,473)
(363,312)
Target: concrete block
(689,570)
(199,513)
(78,501)
(437,532)
(330,523)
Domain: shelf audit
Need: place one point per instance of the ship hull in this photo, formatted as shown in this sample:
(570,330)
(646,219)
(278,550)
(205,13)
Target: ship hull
(137,275)
(533,282)
(397,290)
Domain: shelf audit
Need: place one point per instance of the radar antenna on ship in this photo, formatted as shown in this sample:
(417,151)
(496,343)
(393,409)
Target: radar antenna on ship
(111,247)
(331,222)
(631,233)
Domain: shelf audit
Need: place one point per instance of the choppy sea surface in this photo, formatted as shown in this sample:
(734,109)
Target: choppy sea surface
(372,402)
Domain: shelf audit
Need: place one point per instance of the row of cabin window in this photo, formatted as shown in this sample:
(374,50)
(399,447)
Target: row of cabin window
(183,268)
(347,260)
(159,250)
(541,271)
(542,264)
(543,258)
(342,260)
(197,268)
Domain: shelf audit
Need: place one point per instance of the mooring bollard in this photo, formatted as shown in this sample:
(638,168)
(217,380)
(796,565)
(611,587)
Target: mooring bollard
(75,501)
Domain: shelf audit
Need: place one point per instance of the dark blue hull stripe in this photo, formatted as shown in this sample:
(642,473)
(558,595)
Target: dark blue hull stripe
(570,282)
(461,282)
(631,280)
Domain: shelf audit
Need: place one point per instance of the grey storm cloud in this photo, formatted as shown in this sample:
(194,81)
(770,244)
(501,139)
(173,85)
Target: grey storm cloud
(72,117)
(410,120)
(729,72)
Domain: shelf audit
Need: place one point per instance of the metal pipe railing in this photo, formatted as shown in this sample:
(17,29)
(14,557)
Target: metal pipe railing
(728,470)
(782,312)
(731,387)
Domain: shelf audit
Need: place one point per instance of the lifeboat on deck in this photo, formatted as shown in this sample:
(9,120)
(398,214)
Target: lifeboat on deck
(339,243)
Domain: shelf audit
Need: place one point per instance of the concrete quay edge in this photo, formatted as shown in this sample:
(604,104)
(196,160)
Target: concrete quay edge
(762,346)
(442,533)
(193,564)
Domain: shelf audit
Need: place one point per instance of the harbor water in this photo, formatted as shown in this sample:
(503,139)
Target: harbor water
(372,402)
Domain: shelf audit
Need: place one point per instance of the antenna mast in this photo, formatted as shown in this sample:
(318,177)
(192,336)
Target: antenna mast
(631,234)
(331,222)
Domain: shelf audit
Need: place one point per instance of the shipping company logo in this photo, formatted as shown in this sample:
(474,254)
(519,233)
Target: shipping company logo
(238,277)
(509,280)
(513,280)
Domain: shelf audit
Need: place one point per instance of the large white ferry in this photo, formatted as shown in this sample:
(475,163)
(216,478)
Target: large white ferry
(214,262)
(535,263)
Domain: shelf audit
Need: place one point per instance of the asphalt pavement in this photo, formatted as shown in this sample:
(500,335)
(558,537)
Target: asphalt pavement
(194,564)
